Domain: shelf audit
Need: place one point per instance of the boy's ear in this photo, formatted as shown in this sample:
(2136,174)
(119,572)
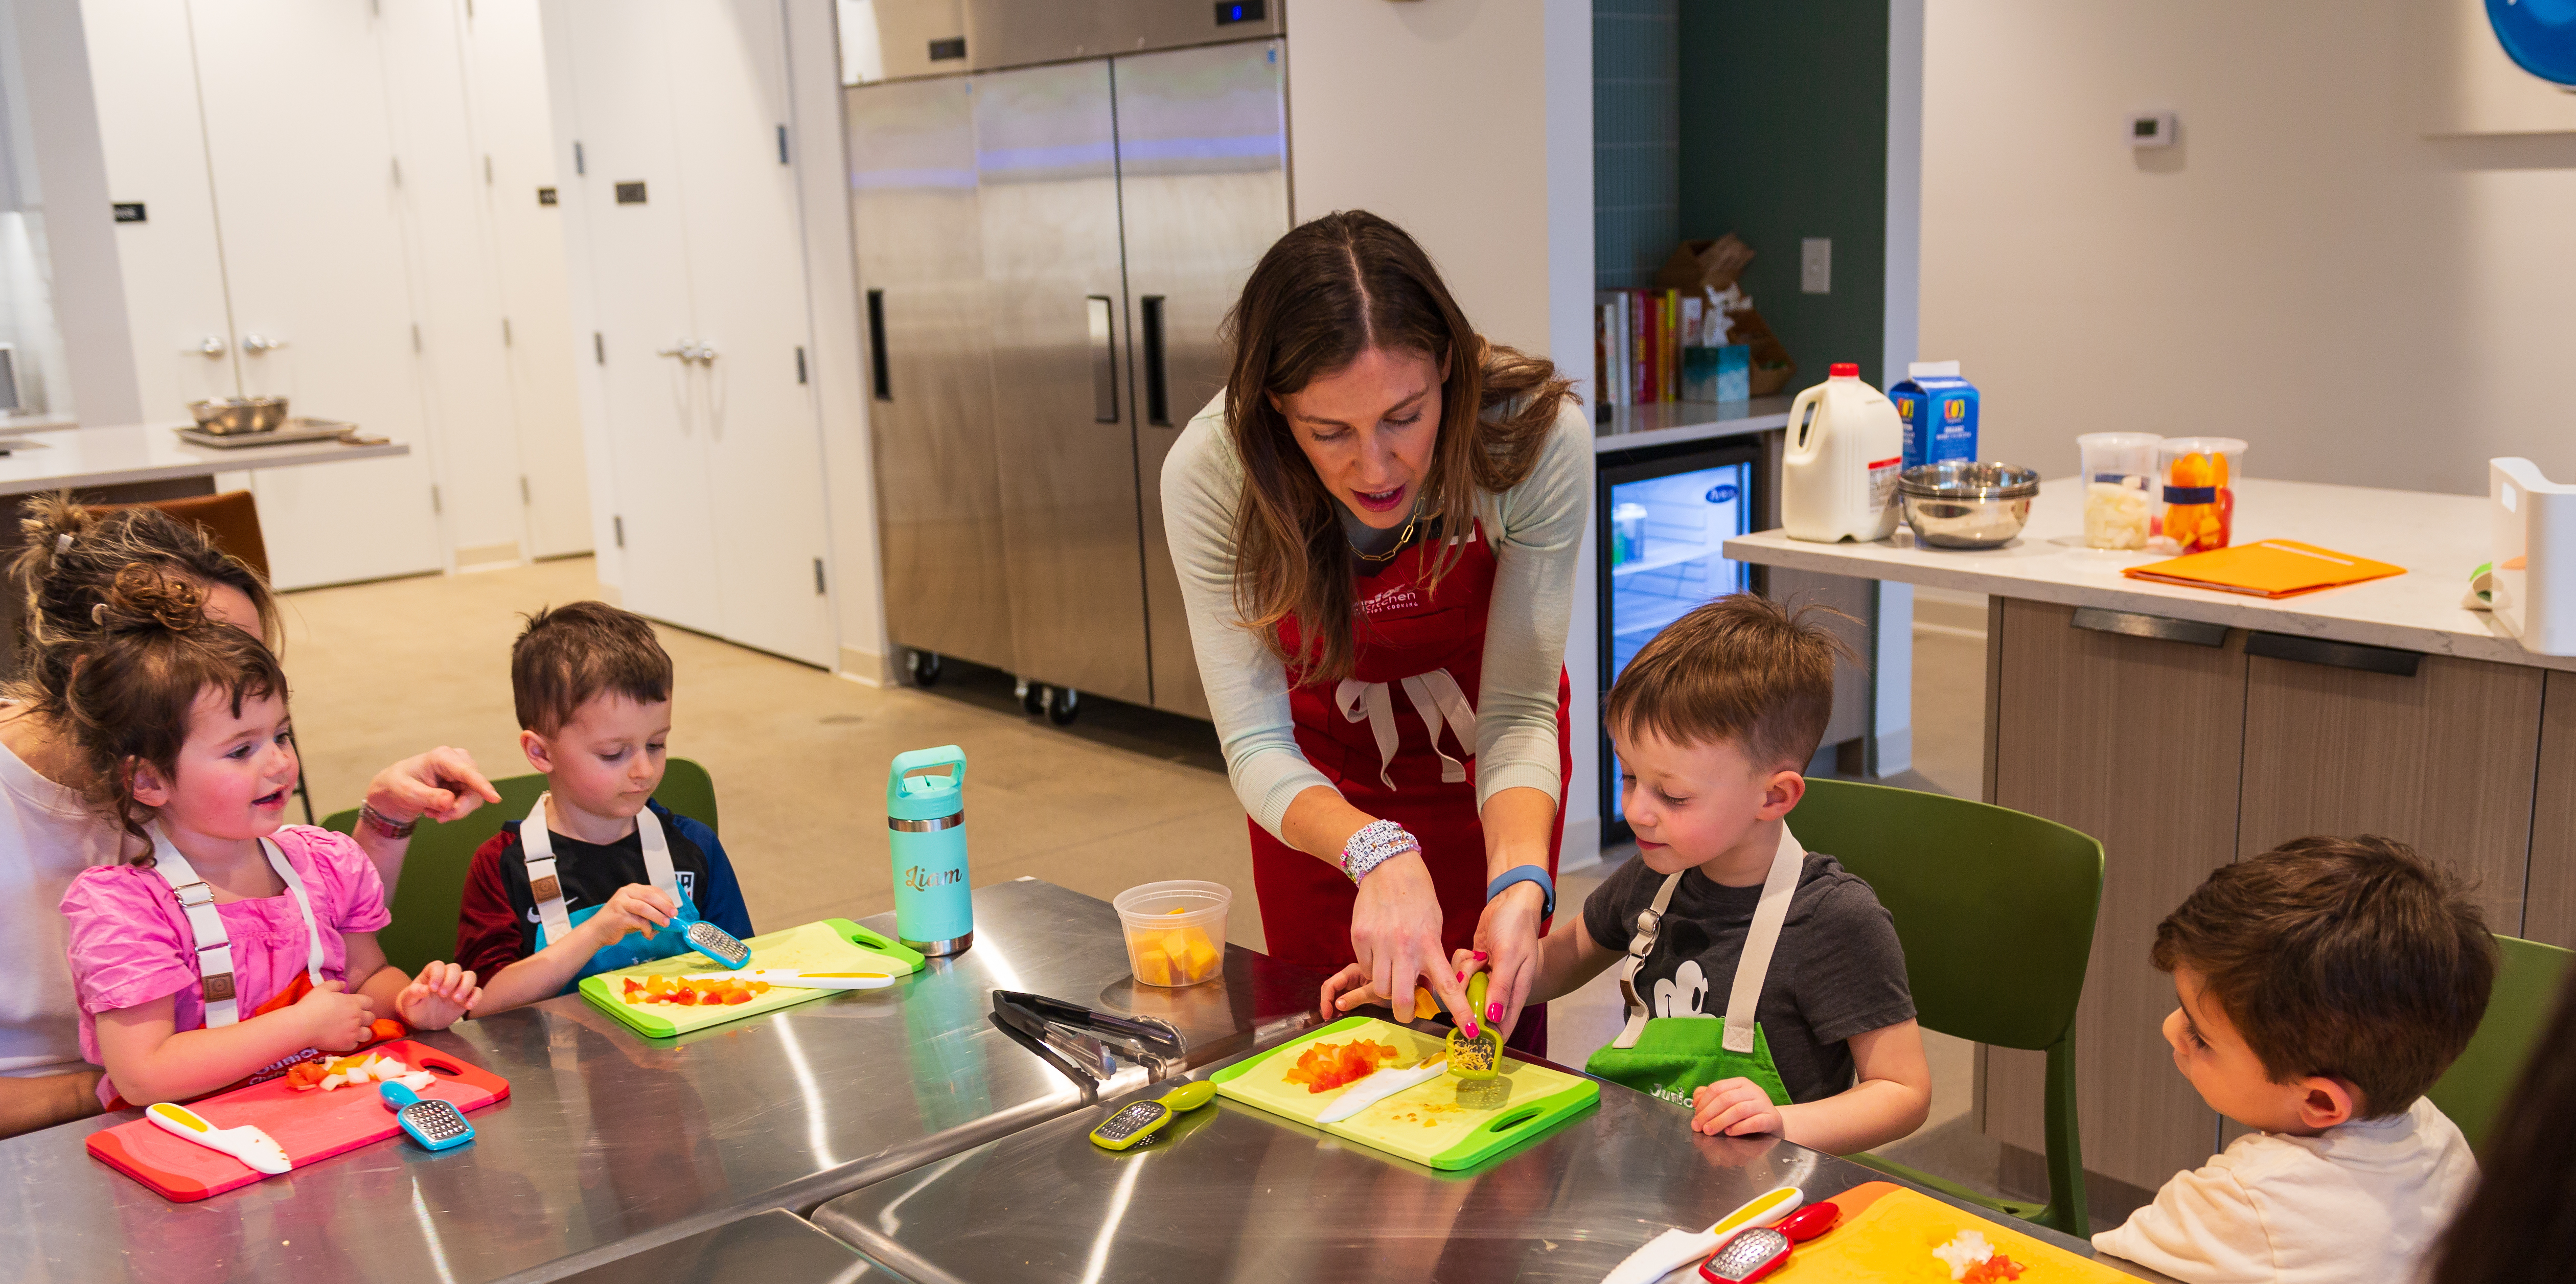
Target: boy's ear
(1780,794)
(2325,1101)
(534,746)
(146,783)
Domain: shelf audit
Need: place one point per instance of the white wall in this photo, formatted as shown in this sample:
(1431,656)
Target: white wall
(49,58)
(1469,124)
(2305,269)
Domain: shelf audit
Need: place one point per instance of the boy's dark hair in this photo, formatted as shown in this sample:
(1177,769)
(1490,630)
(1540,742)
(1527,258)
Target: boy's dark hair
(2349,957)
(151,653)
(1742,668)
(571,653)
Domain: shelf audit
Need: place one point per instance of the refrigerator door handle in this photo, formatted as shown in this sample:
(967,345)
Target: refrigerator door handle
(881,381)
(1104,363)
(1158,393)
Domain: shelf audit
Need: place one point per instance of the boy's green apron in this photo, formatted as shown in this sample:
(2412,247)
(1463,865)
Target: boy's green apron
(1669,1056)
(537,843)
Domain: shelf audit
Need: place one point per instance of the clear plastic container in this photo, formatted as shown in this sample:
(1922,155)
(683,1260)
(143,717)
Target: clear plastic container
(2119,473)
(1175,931)
(2196,500)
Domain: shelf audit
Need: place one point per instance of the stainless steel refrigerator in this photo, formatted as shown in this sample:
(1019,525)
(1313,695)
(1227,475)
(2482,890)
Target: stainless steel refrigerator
(1045,252)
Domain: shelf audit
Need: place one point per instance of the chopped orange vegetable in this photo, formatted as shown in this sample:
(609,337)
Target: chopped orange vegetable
(386,1028)
(1326,1066)
(1993,1270)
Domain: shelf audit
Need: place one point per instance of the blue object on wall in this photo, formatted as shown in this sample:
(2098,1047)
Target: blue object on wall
(2538,34)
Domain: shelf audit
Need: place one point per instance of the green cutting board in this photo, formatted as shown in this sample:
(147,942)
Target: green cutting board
(833,945)
(1428,1123)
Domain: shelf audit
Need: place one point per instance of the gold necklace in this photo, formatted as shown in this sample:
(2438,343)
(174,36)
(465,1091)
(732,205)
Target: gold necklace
(1402,538)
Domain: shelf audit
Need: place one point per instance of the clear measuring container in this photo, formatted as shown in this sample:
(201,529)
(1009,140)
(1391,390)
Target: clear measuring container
(2199,492)
(2118,470)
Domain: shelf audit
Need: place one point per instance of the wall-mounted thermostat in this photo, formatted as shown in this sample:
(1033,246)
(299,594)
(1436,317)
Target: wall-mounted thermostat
(2152,128)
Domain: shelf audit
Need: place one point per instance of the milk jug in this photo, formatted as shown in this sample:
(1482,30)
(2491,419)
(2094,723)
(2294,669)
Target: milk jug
(1838,479)
(934,910)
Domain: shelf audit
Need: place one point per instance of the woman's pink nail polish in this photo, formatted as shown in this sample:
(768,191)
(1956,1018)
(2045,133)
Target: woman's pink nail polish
(1480,956)
(1462,976)
(1493,1012)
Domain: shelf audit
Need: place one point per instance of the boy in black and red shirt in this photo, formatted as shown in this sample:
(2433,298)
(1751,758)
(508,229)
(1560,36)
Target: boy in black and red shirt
(616,876)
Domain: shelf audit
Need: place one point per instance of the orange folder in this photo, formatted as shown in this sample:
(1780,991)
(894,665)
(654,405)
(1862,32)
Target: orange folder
(2266,568)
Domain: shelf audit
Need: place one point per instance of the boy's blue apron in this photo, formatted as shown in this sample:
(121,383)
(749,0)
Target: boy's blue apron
(1669,1056)
(552,922)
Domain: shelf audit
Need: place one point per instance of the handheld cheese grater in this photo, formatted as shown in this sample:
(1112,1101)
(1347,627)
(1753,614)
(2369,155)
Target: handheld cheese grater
(1751,1255)
(1480,1057)
(1138,1122)
(718,944)
(435,1124)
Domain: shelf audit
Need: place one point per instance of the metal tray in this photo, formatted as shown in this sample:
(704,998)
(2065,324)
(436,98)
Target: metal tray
(295,430)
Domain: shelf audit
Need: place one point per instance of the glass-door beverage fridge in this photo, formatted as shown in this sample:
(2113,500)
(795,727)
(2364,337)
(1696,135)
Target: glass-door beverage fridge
(1664,514)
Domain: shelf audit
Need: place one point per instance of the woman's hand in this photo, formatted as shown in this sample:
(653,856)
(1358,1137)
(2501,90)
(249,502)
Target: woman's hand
(1507,942)
(442,993)
(1733,1108)
(440,785)
(1395,932)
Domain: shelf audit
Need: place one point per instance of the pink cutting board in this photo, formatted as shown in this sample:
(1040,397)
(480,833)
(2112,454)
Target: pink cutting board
(310,1125)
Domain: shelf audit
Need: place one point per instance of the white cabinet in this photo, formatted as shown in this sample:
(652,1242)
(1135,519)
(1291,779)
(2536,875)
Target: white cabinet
(689,266)
(341,209)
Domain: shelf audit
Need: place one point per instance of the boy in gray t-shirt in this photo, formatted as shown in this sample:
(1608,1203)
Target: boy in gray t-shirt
(1765,986)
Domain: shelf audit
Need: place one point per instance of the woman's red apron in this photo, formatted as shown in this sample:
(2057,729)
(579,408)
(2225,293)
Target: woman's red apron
(1406,629)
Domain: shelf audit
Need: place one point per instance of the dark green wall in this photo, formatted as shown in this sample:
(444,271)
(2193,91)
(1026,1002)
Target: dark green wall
(1784,136)
(1636,140)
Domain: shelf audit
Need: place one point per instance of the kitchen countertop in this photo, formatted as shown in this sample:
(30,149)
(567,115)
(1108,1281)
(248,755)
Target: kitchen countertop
(1662,423)
(2439,539)
(611,1144)
(1233,1193)
(83,457)
(775,1247)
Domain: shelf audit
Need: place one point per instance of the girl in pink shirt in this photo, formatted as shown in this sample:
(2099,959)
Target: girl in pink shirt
(226,946)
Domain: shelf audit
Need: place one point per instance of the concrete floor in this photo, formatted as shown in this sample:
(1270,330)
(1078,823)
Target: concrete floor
(1123,796)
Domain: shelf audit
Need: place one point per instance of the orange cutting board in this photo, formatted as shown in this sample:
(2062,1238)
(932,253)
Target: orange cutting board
(1887,1235)
(312,1125)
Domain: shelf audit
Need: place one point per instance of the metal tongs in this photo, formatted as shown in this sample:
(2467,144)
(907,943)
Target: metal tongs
(1085,1043)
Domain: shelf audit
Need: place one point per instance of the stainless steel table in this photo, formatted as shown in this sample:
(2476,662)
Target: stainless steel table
(611,1143)
(775,1247)
(1235,1194)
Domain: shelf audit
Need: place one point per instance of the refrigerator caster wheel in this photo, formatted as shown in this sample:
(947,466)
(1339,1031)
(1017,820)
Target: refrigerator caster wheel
(1061,703)
(1032,698)
(923,666)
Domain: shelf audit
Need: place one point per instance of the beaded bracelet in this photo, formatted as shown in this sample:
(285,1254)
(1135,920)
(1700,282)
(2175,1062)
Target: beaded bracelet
(1372,845)
(384,824)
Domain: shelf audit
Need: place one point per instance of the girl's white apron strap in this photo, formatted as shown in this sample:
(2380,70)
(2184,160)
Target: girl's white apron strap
(1650,923)
(214,945)
(1753,966)
(1435,695)
(537,844)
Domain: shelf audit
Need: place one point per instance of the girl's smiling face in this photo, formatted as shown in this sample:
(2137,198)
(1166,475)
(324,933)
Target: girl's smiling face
(232,776)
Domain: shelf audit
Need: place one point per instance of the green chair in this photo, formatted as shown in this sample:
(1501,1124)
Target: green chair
(2526,992)
(433,878)
(1995,909)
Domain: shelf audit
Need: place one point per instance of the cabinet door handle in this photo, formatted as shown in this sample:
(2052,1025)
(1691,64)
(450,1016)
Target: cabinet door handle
(882,379)
(1158,394)
(2340,655)
(2138,624)
(1104,362)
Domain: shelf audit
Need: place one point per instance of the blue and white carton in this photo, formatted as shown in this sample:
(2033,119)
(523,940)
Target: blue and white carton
(1938,410)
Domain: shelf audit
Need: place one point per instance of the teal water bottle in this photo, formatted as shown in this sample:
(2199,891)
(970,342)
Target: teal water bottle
(934,911)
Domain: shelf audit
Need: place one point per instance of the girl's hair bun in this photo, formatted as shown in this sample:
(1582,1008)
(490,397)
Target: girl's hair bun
(144,597)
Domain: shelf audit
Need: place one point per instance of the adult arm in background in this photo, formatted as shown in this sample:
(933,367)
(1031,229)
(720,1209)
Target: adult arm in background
(41,1101)
(440,785)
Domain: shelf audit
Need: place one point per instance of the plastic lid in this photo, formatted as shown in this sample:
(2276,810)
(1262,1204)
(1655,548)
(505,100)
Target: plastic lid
(1845,370)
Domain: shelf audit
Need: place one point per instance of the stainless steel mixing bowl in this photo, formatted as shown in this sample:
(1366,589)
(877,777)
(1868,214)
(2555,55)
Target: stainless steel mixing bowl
(1966,505)
(229,417)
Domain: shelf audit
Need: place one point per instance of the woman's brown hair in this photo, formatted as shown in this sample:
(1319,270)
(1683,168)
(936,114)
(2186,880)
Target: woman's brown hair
(2519,1224)
(74,555)
(135,689)
(1326,292)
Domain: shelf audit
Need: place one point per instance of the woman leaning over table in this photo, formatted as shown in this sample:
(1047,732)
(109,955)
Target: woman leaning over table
(47,835)
(1383,507)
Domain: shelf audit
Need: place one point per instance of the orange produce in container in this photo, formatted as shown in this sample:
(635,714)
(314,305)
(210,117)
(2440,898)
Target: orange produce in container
(2199,492)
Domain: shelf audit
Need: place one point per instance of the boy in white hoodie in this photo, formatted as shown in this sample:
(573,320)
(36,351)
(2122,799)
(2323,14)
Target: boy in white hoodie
(2323,987)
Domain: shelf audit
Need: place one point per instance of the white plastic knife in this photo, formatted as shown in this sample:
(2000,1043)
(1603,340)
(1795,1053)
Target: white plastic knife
(1675,1249)
(1380,1085)
(801,980)
(246,1143)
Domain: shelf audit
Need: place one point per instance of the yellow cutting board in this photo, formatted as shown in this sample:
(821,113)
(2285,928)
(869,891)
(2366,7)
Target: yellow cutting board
(1890,1241)
(832,945)
(1429,1123)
